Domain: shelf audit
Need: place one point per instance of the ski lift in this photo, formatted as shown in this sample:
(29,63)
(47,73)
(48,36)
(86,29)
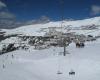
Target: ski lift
(59,72)
(80,45)
(72,72)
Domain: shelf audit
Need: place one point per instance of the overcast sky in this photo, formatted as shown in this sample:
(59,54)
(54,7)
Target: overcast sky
(33,9)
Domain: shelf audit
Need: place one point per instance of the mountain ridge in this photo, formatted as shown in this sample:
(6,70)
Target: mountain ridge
(36,28)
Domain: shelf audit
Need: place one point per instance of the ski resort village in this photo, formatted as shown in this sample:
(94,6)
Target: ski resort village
(49,40)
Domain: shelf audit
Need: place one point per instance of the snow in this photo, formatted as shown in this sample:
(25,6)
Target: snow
(87,32)
(36,29)
(44,64)
(11,40)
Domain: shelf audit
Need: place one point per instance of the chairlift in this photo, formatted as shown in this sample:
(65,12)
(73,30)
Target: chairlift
(59,72)
(80,45)
(72,72)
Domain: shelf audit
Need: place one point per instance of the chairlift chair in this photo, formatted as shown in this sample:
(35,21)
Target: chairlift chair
(59,72)
(72,72)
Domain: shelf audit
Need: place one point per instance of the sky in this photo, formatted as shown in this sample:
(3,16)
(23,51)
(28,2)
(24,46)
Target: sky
(34,9)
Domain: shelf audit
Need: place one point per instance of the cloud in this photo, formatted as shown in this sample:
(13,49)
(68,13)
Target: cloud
(4,12)
(2,5)
(6,15)
(7,19)
(95,10)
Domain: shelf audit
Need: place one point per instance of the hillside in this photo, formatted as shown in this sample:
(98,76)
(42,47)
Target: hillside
(44,64)
(37,34)
(40,29)
(35,52)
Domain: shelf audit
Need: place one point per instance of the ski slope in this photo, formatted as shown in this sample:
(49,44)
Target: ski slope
(41,29)
(44,64)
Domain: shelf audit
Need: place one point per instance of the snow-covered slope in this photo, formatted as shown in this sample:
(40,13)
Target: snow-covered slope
(44,64)
(41,29)
(32,64)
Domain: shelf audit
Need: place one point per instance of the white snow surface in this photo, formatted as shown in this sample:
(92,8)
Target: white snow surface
(41,29)
(44,64)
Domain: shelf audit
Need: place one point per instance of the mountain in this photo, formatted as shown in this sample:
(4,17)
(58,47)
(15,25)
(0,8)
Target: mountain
(8,21)
(44,64)
(41,29)
(29,35)
(33,52)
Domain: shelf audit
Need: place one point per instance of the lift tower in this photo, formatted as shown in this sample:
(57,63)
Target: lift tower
(63,40)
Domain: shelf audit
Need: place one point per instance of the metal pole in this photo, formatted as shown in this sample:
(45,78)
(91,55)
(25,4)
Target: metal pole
(64,50)
(64,45)
(63,41)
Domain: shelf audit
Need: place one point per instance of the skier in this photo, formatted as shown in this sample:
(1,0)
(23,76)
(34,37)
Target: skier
(3,66)
(12,56)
